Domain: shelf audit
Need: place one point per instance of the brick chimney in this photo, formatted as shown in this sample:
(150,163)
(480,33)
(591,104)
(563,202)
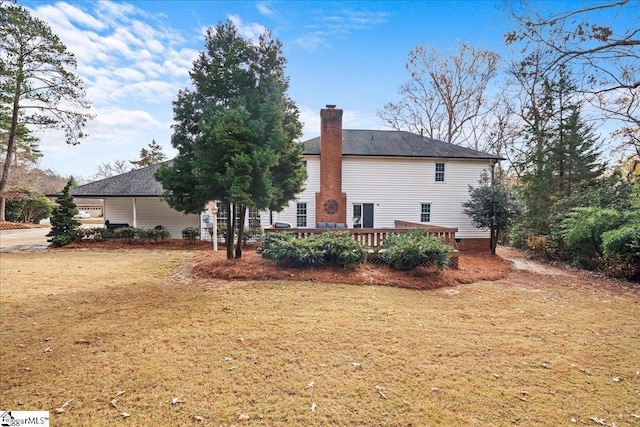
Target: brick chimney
(331,202)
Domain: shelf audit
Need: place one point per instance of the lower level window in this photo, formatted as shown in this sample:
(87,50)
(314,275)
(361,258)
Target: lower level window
(425,212)
(301,214)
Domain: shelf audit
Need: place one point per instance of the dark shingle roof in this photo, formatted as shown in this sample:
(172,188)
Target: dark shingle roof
(137,183)
(390,143)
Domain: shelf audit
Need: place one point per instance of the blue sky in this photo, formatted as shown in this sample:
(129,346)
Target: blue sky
(135,56)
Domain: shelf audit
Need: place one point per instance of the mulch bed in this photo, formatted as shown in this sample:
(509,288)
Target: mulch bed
(473,267)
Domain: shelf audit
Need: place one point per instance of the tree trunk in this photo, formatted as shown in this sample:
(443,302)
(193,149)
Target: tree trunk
(494,239)
(241,217)
(230,229)
(4,181)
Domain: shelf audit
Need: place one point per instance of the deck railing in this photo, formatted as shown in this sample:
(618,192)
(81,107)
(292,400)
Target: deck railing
(375,237)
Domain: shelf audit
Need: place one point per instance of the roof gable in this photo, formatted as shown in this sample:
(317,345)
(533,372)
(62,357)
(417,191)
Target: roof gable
(390,143)
(136,183)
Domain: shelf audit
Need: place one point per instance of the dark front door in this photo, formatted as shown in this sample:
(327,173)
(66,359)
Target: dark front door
(367,215)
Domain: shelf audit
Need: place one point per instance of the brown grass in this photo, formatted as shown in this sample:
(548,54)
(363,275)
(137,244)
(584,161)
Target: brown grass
(526,350)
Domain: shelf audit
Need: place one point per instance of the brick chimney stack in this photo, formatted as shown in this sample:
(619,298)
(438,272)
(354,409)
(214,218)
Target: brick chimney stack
(331,202)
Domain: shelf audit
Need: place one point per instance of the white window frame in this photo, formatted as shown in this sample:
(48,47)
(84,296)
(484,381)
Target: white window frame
(439,173)
(423,212)
(302,217)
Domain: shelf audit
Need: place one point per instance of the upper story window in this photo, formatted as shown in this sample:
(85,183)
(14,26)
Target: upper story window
(439,172)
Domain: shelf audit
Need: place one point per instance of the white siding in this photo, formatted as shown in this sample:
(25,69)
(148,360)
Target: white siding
(397,187)
(150,211)
(308,195)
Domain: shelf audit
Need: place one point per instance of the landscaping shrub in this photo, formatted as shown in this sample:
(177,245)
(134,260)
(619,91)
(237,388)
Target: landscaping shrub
(128,233)
(334,247)
(582,231)
(621,250)
(63,226)
(156,234)
(190,234)
(341,248)
(409,250)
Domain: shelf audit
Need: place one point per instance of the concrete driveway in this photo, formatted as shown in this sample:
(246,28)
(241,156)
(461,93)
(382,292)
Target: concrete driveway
(32,239)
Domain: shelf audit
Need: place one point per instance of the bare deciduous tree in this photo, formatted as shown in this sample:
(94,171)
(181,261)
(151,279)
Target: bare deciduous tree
(600,43)
(446,97)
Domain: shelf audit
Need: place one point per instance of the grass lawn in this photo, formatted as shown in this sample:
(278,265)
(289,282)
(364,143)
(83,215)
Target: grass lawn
(100,334)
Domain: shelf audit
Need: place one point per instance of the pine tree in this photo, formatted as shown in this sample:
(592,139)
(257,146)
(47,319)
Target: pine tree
(151,156)
(562,151)
(63,226)
(235,132)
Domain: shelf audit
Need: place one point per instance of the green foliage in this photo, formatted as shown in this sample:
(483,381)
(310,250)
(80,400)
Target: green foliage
(128,233)
(410,250)
(156,234)
(341,248)
(190,234)
(330,247)
(236,131)
(97,233)
(27,205)
(63,226)
(492,207)
(38,83)
(621,250)
(582,231)
(151,156)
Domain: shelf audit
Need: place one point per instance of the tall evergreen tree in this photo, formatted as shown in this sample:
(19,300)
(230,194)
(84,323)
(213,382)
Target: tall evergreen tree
(561,150)
(235,132)
(63,225)
(151,156)
(37,84)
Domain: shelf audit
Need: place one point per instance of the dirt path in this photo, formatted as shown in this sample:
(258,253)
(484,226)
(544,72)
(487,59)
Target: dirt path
(530,273)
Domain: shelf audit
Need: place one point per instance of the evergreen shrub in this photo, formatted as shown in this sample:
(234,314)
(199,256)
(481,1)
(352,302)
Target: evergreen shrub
(410,250)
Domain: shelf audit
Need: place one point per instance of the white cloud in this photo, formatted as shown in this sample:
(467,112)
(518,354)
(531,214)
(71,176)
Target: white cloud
(250,31)
(264,9)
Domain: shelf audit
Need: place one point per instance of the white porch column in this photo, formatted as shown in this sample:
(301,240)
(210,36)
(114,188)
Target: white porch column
(135,214)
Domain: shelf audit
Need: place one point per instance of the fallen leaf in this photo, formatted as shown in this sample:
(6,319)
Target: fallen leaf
(381,392)
(64,405)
